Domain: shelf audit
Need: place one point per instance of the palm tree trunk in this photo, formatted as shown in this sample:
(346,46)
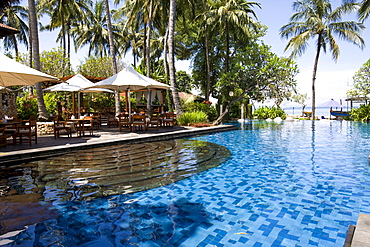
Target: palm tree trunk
(165,51)
(112,53)
(171,51)
(314,76)
(208,89)
(36,58)
(148,36)
(227,48)
(15,45)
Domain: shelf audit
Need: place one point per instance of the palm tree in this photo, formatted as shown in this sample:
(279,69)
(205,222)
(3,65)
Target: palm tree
(232,16)
(112,53)
(364,11)
(316,19)
(36,57)
(14,16)
(171,53)
(7,3)
(94,33)
(64,14)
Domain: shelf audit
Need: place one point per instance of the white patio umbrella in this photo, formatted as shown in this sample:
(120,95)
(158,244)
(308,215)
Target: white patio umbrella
(331,103)
(77,83)
(13,73)
(128,80)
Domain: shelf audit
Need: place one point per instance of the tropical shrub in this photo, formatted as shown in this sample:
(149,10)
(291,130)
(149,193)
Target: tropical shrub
(265,112)
(205,107)
(361,114)
(27,106)
(190,118)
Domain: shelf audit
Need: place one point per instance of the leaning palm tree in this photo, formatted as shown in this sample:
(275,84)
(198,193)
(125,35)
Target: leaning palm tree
(316,19)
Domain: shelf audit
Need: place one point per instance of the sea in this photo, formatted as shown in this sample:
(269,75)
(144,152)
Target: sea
(319,111)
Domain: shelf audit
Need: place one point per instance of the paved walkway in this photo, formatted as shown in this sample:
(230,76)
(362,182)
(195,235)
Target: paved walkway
(48,146)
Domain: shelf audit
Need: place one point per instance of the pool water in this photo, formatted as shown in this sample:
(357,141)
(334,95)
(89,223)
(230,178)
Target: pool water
(287,184)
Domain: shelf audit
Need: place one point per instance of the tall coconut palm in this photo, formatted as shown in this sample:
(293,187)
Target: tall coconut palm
(316,19)
(229,16)
(36,57)
(94,33)
(171,53)
(64,14)
(364,11)
(14,16)
(112,53)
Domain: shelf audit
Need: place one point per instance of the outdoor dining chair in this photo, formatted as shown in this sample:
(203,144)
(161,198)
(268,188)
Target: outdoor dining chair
(169,119)
(124,121)
(112,121)
(27,132)
(154,121)
(3,137)
(61,126)
(139,122)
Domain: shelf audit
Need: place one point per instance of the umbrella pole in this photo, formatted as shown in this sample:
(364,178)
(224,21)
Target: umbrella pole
(129,107)
(73,104)
(79,105)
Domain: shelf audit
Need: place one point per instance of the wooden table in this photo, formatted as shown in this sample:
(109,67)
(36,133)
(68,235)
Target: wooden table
(80,125)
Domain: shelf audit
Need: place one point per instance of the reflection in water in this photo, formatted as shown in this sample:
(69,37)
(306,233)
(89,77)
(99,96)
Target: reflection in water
(88,174)
(111,170)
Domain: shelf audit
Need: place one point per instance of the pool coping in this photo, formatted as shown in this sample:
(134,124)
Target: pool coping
(360,233)
(44,152)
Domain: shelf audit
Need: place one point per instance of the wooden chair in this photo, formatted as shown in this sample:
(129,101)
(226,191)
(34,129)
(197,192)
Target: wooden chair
(139,121)
(169,119)
(112,121)
(96,122)
(61,126)
(154,121)
(3,137)
(27,130)
(88,125)
(124,121)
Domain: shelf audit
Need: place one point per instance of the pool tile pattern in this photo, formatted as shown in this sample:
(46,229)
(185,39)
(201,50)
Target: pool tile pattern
(301,193)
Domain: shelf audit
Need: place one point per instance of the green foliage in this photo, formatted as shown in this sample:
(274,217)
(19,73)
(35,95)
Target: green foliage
(361,114)
(26,106)
(208,109)
(183,81)
(189,118)
(258,74)
(361,82)
(52,62)
(98,67)
(99,101)
(265,112)
(55,63)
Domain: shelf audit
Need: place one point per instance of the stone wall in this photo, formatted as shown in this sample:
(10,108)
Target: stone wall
(45,128)
(8,104)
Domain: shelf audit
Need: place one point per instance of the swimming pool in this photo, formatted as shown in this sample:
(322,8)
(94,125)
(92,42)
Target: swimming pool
(288,184)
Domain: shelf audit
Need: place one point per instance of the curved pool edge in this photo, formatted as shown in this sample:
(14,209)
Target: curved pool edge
(33,152)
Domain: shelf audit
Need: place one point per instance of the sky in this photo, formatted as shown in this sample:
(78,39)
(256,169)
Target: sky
(333,79)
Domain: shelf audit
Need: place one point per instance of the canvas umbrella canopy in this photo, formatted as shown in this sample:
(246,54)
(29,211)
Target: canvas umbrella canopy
(331,103)
(128,80)
(77,83)
(13,73)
